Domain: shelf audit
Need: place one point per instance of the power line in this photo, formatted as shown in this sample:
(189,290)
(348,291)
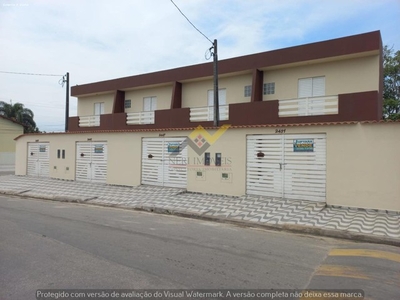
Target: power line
(191,22)
(52,125)
(45,106)
(33,74)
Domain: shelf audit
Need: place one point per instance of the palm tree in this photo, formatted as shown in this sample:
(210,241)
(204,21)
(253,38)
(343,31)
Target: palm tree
(20,114)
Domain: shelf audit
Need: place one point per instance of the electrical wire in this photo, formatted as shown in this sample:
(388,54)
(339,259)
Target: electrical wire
(191,22)
(44,106)
(52,125)
(33,74)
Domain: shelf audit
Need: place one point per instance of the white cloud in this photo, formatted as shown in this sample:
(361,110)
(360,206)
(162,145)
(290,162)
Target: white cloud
(100,40)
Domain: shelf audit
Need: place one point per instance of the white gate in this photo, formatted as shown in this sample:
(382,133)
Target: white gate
(91,161)
(164,162)
(38,159)
(287,166)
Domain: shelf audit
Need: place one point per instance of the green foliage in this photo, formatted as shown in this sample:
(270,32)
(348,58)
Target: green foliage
(20,114)
(391,82)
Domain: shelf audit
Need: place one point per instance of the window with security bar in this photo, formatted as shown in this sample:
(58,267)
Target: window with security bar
(269,88)
(247,91)
(128,103)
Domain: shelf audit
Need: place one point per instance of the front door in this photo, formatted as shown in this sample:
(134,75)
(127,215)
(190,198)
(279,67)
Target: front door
(38,159)
(164,162)
(91,161)
(287,166)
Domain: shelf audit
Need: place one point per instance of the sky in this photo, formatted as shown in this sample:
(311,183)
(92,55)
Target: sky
(97,40)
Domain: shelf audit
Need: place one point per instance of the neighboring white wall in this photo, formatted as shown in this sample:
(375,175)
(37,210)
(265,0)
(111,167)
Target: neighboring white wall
(8,132)
(232,146)
(125,153)
(7,158)
(363,167)
(341,77)
(86,104)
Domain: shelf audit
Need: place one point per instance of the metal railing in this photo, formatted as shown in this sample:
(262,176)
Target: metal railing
(310,106)
(206,113)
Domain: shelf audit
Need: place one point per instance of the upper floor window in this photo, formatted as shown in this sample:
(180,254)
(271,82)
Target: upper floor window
(99,108)
(128,103)
(311,87)
(269,88)
(247,91)
(221,97)
(149,103)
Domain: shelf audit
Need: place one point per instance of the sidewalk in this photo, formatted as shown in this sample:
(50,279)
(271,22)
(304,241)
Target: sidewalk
(258,211)
(7,169)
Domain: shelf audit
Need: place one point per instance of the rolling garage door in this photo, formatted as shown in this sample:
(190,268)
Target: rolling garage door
(38,159)
(164,162)
(91,161)
(287,166)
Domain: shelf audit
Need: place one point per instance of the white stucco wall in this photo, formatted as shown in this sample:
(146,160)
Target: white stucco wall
(363,168)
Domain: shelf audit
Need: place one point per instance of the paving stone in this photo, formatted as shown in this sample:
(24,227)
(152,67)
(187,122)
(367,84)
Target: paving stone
(251,208)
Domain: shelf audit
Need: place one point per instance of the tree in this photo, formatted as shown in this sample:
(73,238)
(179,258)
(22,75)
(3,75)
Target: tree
(391,84)
(20,114)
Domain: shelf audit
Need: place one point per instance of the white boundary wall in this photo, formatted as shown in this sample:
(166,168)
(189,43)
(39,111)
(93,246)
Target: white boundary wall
(362,160)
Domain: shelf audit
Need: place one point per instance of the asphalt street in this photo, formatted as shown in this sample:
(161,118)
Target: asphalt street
(54,245)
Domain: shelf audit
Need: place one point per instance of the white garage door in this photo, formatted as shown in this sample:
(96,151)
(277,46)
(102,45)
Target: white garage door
(91,161)
(164,162)
(287,166)
(38,159)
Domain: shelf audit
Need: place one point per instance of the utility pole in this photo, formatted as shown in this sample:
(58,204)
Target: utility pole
(215,54)
(216,100)
(67,103)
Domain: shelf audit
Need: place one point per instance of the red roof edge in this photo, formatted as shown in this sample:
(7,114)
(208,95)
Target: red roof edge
(212,127)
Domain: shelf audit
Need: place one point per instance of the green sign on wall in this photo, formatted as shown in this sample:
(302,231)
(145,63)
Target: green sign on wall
(174,147)
(98,148)
(303,145)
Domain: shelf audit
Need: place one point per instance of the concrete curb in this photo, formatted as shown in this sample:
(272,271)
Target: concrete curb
(59,198)
(299,229)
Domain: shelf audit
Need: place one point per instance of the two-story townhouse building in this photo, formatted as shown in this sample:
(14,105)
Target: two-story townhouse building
(300,123)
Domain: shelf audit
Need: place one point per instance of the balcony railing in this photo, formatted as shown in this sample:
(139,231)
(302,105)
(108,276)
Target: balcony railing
(200,114)
(138,118)
(313,106)
(89,121)
(353,107)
